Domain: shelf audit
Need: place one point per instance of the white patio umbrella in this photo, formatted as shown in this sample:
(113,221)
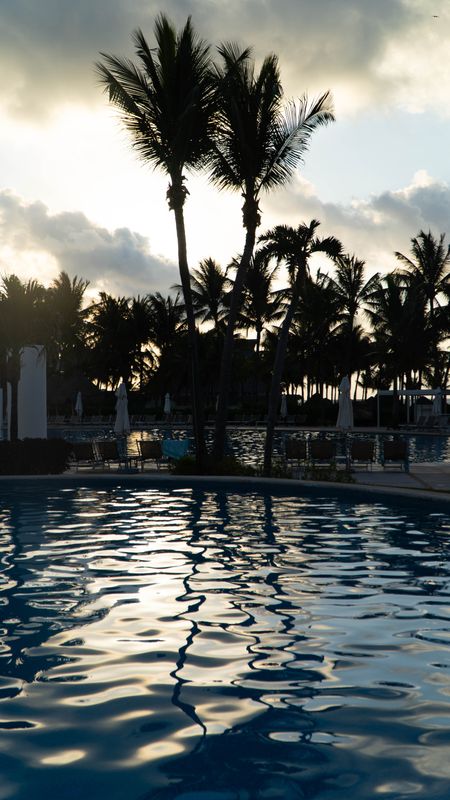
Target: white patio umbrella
(437,402)
(79,406)
(167,405)
(283,407)
(345,413)
(122,422)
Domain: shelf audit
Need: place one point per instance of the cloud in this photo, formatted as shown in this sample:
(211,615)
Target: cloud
(373,229)
(38,244)
(391,51)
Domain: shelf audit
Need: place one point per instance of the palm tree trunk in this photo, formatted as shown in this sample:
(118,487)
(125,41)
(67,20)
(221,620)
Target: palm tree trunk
(227,353)
(275,386)
(197,405)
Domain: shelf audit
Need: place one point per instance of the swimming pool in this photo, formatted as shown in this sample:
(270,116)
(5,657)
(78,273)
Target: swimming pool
(217,644)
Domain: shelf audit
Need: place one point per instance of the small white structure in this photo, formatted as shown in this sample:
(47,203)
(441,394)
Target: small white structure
(345,413)
(32,393)
(79,406)
(122,423)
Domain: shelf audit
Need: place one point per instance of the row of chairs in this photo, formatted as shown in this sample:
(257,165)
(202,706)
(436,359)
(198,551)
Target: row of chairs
(108,452)
(360,452)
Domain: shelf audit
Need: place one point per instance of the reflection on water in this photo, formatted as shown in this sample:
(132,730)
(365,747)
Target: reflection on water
(161,643)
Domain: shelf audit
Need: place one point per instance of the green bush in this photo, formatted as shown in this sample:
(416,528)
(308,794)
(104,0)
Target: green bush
(227,466)
(34,457)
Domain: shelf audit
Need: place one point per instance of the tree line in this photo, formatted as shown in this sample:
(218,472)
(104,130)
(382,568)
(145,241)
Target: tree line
(383,331)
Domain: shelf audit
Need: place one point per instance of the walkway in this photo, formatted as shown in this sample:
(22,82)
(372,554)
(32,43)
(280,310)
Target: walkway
(429,476)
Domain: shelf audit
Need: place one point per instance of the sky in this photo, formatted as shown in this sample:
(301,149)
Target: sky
(75,197)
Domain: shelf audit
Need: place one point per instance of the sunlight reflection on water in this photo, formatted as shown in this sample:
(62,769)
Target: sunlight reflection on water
(181,643)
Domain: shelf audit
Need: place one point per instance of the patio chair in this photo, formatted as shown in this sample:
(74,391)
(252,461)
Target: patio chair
(149,450)
(295,450)
(322,451)
(362,451)
(395,454)
(84,455)
(109,453)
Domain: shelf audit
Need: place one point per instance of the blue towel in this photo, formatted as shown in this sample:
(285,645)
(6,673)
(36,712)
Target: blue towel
(175,448)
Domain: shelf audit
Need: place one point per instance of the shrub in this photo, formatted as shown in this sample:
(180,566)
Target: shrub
(34,457)
(227,466)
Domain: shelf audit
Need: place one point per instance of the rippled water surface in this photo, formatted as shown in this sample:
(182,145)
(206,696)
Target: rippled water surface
(213,644)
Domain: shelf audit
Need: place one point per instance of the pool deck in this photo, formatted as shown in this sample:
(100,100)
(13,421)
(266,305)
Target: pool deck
(434,477)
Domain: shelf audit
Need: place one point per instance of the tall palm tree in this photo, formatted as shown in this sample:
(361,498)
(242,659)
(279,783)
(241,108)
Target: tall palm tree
(429,267)
(294,246)
(257,148)
(351,289)
(166,103)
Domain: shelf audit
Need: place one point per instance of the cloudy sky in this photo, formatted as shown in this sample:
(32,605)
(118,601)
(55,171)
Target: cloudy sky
(73,196)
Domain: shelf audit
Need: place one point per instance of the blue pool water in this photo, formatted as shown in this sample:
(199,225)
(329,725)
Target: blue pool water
(215,644)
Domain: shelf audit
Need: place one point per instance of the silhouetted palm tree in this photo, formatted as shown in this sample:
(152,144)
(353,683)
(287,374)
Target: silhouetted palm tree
(262,305)
(166,103)
(209,286)
(402,336)
(110,338)
(351,290)
(166,319)
(22,322)
(257,148)
(294,246)
(428,268)
(64,309)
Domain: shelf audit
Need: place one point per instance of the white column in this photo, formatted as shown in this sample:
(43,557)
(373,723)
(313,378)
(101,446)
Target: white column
(32,393)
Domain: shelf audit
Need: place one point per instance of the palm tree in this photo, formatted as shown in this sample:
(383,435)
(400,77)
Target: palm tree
(402,335)
(351,290)
(429,269)
(22,322)
(294,246)
(209,286)
(64,303)
(140,323)
(261,305)
(257,148)
(167,103)
(110,338)
(166,320)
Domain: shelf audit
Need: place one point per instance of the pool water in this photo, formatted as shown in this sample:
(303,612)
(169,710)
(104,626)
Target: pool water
(220,644)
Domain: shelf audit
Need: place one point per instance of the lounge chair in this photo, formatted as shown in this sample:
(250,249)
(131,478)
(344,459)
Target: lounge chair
(84,455)
(322,451)
(109,453)
(149,450)
(362,451)
(295,450)
(395,454)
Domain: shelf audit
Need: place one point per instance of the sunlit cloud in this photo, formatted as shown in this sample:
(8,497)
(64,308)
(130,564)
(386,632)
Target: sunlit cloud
(36,243)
